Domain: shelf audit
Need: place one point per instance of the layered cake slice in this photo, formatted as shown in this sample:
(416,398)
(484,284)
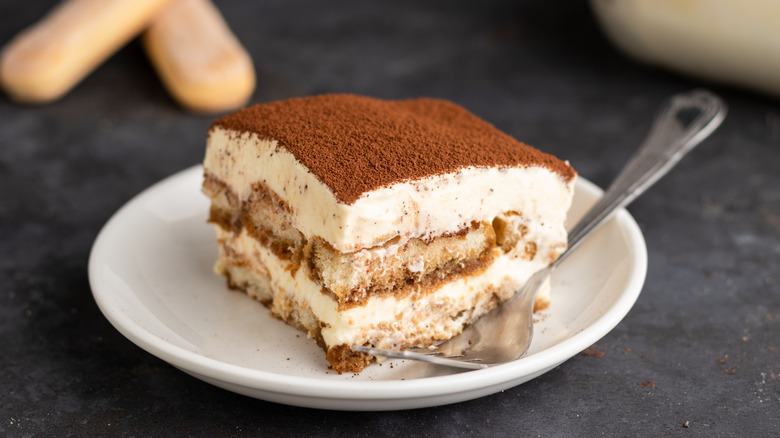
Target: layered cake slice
(384,223)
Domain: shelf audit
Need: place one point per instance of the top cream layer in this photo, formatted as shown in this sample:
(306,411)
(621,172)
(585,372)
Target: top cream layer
(422,208)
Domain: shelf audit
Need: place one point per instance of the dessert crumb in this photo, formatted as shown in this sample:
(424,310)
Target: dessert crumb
(592,351)
(648,384)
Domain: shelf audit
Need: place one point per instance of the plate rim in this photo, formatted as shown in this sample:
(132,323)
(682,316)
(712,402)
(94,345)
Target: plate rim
(312,387)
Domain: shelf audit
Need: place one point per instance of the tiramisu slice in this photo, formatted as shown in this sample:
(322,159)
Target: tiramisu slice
(383,223)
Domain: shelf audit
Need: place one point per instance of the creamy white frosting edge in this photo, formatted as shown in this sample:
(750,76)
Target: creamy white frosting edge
(422,208)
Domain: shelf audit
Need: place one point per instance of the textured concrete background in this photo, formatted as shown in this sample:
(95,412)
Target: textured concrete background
(705,331)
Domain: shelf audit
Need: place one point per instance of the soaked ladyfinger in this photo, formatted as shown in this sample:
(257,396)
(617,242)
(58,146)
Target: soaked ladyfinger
(200,61)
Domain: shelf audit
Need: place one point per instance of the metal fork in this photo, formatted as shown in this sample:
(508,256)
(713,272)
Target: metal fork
(505,333)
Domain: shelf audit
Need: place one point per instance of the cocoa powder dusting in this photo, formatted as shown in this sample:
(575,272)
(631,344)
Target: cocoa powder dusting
(355,144)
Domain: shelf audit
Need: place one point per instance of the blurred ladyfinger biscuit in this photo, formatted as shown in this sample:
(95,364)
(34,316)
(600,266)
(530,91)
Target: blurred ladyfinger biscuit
(200,61)
(47,59)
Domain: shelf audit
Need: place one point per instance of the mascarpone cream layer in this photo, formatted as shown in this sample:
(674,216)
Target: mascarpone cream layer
(407,315)
(422,208)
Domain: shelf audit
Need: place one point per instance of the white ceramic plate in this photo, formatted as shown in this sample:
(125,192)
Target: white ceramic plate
(151,275)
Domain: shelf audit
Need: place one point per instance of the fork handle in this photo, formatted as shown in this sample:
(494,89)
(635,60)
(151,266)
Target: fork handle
(667,142)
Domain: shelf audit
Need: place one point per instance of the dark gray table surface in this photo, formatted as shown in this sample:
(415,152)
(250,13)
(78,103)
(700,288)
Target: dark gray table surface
(705,330)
